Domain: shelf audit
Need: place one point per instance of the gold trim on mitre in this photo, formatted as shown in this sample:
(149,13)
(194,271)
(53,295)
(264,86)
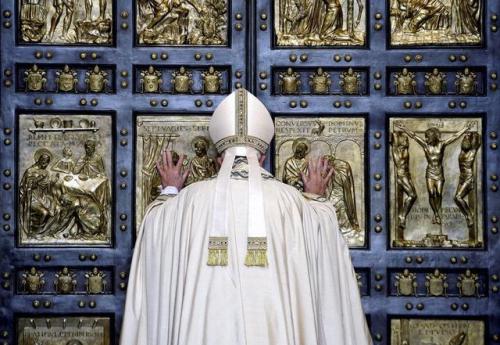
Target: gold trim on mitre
(241,127)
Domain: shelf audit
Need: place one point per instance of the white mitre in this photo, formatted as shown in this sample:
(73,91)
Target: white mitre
(240,126)
(241,119)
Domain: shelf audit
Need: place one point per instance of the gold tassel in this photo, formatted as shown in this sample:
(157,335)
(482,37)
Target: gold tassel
(256,252)
(217,251)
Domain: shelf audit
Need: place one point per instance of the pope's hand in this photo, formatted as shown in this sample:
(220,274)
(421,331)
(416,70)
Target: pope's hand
(319,173)
(172,174)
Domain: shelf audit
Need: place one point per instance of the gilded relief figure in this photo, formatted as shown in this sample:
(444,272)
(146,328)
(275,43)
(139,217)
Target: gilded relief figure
(184,135)
(66,164)
(38,205)
(201,166)
(289,82)
(65,281)
(340,141)
(95,282)
(406,283)
(435,82)
(434,148)
(35,79)
(182,81)
(406,192)
(64,200)
(468,284)
(296,164)
(467,180)
(320,22)
(151,81)
(405,83)
(350,82)
(466,83)
(320,82)
(341,192)
(66,21)
(91,163)
(182,22)
(435,22)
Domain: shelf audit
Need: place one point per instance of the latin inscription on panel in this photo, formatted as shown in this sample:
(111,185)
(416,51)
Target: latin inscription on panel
(182,22)
(433,332)
(342,142)
(320,23)
(436,22)
(435,175)
(64,179)
(66,21)
(185,135)
(71,330)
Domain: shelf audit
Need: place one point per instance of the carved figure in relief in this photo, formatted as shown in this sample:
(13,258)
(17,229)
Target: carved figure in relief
(61,6)
(465,17)
(350,82)
(297,164)
(341,191)
(320,82)
(466,184)
(407,194)
(182,81)
(65,281)
(420,14)
(32,281)
(211,80)
(434,149)
(35,79)
(150,81)
(66,80)
(37,203)
(182,22)
(289,82)
(405,82)
(466,82)
(66,164)
(201,166)
(435,82)
(406,283)
(91,164)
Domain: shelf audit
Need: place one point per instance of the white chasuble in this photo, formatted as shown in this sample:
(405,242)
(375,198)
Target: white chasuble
(307,295)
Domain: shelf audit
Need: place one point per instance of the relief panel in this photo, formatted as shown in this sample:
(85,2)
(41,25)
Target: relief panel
(79,22)
(342,142)
(182,22)
(185,135)
(441,282)
(63,330)
(442,81)
(182,79)
(320,23)
(64,182)
(406,331)
(436,189)
(64,280)
(436,22)
(65,78)
(321,81)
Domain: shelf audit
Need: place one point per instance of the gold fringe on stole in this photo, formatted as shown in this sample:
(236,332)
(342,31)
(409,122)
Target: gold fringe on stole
(256,252)
(217,251)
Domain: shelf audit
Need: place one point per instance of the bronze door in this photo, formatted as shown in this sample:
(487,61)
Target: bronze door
(401,97)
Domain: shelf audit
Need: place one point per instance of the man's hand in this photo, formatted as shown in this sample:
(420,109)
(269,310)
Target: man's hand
(319,173)
(172,174)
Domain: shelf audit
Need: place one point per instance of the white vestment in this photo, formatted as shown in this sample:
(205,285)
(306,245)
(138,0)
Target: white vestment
(307,295)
